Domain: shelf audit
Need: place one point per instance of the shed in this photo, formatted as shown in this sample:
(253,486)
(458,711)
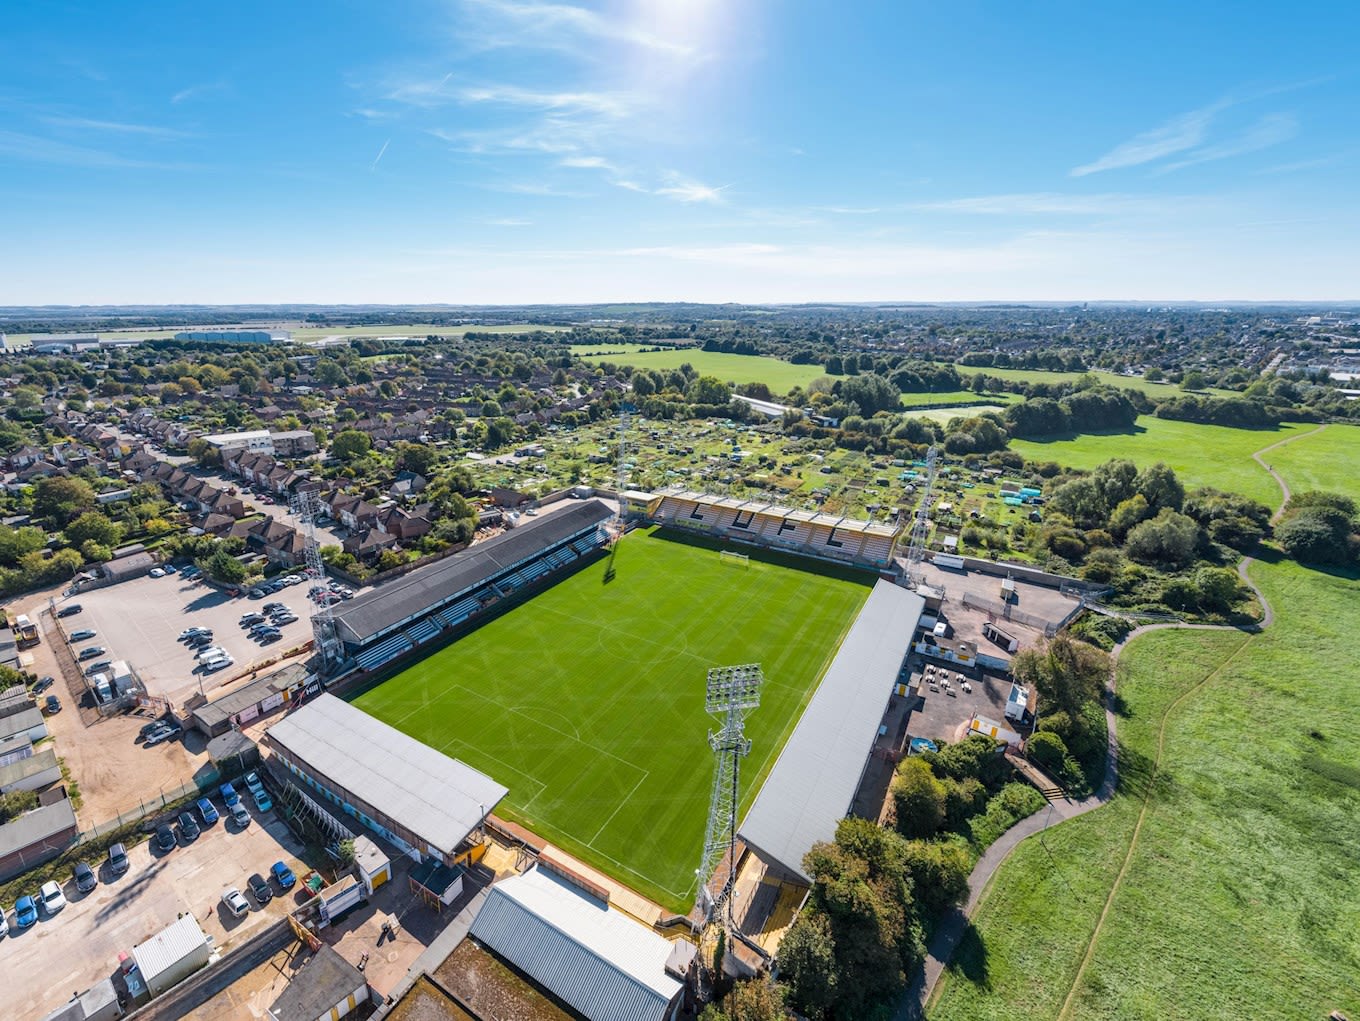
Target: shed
(598,960)
(14,701)
(27,721)
(98,1003)
(325,988)
(375,868)
(36,837)
(437,884)
(233,749)
(31,772)
(251,701)
(173,954)
(14,748)
(125,568)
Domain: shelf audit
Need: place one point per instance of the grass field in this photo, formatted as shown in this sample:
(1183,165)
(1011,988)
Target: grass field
(1202,455)
(1238,898)
(587,701)
(1321,460)
(780,376)
(1125,382)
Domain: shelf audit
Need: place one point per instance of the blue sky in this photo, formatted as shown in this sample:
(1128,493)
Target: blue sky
(512,151)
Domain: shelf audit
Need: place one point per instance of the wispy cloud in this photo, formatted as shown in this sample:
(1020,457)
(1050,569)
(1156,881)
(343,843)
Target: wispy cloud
(606,104)
(115,127)
(587,163)
(35,149)
(508,221)
(1300,165)
(196,91)
(1176,135)
(1050,204)
(381,152)
(685,189)
(559,26)
(1270,130)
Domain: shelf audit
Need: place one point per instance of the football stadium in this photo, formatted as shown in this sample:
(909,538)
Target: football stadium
(571,668)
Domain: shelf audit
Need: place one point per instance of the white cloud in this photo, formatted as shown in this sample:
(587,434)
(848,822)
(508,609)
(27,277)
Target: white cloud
(684,189)
(195,91)
(1270,130)
(587,163)
(114,127)
(606,104)
(508,221)
(1176,135)
(35,149)
(1051,204)
(562,26)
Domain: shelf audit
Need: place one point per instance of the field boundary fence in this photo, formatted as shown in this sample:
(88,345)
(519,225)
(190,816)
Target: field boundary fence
(150,807)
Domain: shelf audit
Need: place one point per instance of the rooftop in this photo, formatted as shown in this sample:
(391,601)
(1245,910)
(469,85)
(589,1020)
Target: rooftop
(36,825)
(221,709)
(423,790)
(168,947)
(597,959)
(813,782)
(324,981)
(381,608)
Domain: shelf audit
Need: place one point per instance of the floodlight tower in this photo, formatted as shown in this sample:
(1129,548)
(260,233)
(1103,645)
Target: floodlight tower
(732,692)
(305,505)
(916,549)
(621,471)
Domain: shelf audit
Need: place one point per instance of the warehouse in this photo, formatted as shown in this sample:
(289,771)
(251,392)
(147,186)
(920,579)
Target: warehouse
(596,959)
(173,954)
(36,837)
(390,620)
(814,780)
(411,795)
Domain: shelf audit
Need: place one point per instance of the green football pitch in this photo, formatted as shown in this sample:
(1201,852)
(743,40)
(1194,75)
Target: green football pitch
(587,700)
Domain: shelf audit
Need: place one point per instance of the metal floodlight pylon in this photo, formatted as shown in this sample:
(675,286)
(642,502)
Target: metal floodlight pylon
(306,506)
(731,693)
(916,549)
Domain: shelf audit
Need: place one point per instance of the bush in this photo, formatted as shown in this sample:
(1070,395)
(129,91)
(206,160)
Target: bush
(1014,802)
(918,798)
(1048,750)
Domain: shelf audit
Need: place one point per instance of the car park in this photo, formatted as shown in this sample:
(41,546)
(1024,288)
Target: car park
(83,635)
(91,652)
(25,912)
(165,837)
(283,875)
(53,900)
(207,812)
(188,829)
(259,886)
(70,610)
(118,859)
(157,572)
(51,705)
(229,796)
(262,801)
(240,815)
(235,902)
(84,877)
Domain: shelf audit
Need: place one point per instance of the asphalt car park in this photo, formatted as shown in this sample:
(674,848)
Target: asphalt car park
(79,945)
(140,621)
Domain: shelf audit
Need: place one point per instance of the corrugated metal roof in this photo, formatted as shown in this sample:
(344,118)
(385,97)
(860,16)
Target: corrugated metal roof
(439,798)
(21,722)
(168,947)
(598,960)
(220,710)
(370,614)
(34,826)
(813,783)
(22,769)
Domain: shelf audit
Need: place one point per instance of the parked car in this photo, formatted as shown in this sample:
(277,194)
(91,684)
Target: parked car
(229,796)
(235,903)
(188,829)
(157,572)
(83,635)
(199,641)
(53,900)
(240,815)
(267,637)
(25,912)
(210,652)
(98,668)
(170,568)
(154,725)
(259,886)
(293,579)
(84,877)
(213,665)
(164,733)
(207,812)
(254,782)
(118,859)
(281,619)
(257,593)
(70,610)
(262,801)
(43,685)
(191,572)
(271,607)
(251,618)
(283,875)
(51,705)
(165,837)
(190,632)
(91,652)
(4,926)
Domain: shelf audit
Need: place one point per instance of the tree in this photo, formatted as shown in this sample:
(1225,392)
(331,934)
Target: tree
(1310,538)
(1169,539)
(708,390)
(939,872)
(1082,501)
(93,527)
(222,566)
(919,799)
(1117,479)
(1127,514)
(1160,487)
(351,443)
(416,457)
(1066,672)
(61,498)
(807,961)
(15,542)
(1217,588)
(1047,749)
(1193,380)
(757,999)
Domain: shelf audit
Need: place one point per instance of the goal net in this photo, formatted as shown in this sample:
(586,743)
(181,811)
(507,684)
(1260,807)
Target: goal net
(734,559)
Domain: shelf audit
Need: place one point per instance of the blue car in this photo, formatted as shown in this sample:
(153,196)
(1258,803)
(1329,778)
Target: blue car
(25,912)
(206,812)
(229,795)
(283,875)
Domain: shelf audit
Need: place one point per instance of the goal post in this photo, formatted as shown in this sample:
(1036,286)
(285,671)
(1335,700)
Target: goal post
(734,559)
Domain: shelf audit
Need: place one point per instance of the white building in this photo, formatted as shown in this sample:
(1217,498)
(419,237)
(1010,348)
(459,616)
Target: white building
(173,954)
(257,441)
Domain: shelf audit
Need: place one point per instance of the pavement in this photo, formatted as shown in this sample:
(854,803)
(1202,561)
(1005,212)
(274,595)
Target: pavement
(80,945)
(140,621)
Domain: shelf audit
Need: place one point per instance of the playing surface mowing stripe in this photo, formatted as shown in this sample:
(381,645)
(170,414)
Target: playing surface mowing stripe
(587,700)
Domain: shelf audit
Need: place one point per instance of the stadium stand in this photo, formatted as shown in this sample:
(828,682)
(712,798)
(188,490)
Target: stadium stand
(813,533)
(391,619)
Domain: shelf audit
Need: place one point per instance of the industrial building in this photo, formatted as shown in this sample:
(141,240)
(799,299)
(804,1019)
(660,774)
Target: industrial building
(392,619)
(813,782)
(36,837)
(257,441)
(241,336)
(172,955)
(411,795)
(326,989)
(598,960)
(31,773)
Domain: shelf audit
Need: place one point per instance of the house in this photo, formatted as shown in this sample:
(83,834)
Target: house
(402,524)
(407,483)
(368,544)
(294,443)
